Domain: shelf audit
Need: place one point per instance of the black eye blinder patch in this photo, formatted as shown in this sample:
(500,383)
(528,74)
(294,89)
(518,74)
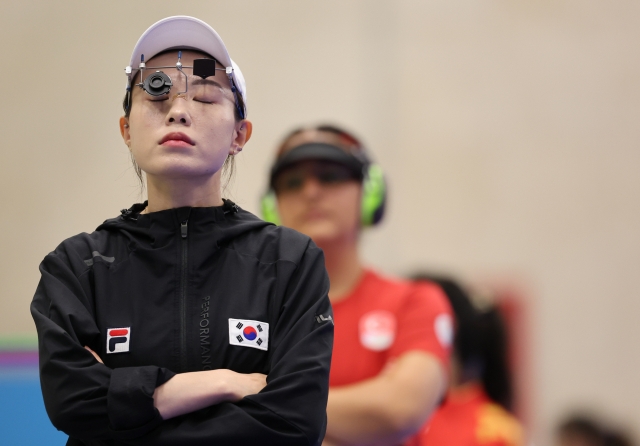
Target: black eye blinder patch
(204,68)
(157,84)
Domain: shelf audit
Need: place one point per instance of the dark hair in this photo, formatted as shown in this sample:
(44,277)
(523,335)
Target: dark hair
(616,439)
(592,431)
(480,342)
(228,168)
(583,428)
(496,375)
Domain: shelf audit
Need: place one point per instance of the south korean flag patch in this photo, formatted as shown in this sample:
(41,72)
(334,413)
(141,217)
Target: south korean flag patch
(246,333)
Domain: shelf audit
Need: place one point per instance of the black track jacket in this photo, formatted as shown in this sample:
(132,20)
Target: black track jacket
(183,290)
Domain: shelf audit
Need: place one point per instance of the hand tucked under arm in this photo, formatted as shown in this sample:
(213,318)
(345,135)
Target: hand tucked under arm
(95,355)
(188,392)
(389,407)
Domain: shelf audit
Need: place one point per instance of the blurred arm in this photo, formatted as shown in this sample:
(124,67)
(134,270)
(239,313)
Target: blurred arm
(388,408)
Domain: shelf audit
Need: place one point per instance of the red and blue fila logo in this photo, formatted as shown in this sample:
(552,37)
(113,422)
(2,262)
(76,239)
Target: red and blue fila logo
(118,339)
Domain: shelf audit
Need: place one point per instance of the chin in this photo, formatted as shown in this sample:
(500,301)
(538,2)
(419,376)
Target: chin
(183,168)
(320,232)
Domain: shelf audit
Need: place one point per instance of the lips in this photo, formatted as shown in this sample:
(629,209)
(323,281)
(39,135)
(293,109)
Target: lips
(315,214)
(176,137)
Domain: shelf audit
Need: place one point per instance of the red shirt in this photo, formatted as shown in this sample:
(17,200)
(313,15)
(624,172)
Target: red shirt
(382,319)
(469,418)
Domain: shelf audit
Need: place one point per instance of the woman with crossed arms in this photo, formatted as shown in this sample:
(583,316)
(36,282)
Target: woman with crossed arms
(185,320)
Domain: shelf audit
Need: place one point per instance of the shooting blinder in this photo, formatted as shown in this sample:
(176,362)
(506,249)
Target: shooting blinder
(204,68)
(159,83)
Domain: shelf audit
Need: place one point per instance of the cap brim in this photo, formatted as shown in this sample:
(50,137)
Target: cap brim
(180,32)
(318,152)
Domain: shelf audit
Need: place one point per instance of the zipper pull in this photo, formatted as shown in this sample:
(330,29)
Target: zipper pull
(183,229)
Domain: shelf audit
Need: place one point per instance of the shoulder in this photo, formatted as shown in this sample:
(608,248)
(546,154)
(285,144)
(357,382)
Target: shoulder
(431,294)
(270,243)
(416,303)
(406,290)
(385,283)
(79,251)
(418,294)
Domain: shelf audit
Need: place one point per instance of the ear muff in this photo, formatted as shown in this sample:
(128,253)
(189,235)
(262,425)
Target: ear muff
(374,194)
(269,208)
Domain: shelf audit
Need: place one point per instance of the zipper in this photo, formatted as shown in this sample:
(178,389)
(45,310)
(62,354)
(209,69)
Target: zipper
(183,295)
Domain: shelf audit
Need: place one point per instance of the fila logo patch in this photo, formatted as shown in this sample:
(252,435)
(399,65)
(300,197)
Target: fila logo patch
(118,339)
(246,333)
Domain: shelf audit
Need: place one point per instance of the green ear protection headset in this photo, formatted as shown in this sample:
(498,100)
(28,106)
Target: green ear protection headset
(374,191)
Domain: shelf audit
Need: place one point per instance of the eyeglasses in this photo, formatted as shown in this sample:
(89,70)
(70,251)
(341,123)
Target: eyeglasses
(159,83)
(326,173)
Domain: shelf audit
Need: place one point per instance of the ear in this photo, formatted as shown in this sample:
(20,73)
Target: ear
(242,134)
(124,130)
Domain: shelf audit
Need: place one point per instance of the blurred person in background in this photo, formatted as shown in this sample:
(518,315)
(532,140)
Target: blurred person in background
(476,409)
(580,430)
(392,337)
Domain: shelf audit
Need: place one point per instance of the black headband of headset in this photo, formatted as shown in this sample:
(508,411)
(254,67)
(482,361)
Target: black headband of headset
(318,151)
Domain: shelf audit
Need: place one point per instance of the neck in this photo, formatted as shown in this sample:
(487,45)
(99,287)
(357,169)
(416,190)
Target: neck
(343,266)
(180,192)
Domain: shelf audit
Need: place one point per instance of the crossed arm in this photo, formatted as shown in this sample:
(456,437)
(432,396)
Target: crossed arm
(188,392)
(141,404)
(389,407)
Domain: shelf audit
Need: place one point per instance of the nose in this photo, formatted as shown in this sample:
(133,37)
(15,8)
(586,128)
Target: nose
(179,112)
(311,188)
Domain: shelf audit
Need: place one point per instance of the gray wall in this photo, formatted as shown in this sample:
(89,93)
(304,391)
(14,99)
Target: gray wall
(508,130)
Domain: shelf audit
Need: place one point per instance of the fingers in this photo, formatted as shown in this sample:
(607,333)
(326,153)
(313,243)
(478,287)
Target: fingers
(259,380)
(95,355)
(252,383)
(247,384)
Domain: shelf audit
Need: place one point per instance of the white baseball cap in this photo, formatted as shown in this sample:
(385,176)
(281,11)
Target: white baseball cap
(186,33)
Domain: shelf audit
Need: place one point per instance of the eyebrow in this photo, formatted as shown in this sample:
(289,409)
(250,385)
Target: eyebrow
(206,81)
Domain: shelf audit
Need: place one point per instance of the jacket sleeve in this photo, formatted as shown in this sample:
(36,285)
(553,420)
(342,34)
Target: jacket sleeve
(291,409)
(84,398)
